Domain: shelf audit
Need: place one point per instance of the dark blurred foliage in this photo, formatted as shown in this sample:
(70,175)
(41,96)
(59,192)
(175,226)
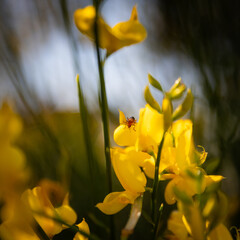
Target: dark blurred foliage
(206,31)
(209,32)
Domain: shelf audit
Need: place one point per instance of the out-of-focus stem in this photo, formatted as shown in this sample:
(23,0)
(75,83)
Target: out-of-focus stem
(83,115)
(104,104)
(82,106)
(156,179)
(104,110)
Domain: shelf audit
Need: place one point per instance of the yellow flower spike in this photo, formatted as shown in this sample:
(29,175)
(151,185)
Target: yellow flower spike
(121,35)
(150,130)
(83,226)
(128,172)
(167,113)
(126,133)
(116,201)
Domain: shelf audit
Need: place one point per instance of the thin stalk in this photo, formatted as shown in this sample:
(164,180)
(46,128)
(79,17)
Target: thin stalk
(104,110)
(156,179)
(83,115)
(82,106)
(156,227)
(104,104)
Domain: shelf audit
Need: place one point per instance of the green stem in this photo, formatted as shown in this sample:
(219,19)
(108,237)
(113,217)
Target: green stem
(104,110)
(156,227)
(156,179)
(104,104)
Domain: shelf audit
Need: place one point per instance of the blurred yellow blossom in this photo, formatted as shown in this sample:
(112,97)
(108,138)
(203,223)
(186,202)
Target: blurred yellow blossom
(47,201)
(12,162)
(83,226)
(111,38)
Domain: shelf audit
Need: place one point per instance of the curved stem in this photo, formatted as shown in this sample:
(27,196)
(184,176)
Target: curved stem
(156,179)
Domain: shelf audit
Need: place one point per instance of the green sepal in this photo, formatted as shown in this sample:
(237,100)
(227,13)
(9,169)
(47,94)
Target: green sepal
(154,82)
(151,100)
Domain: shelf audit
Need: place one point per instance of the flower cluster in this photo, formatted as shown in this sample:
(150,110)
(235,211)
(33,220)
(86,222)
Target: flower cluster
(46,205)
(160,146)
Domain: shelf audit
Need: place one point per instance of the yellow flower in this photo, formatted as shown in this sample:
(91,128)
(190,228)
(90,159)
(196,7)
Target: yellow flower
(144,135)
(126,164)
(111,38)
(116,201)
(12,162)
(150,130)
(181,159)
(49,199)
(126,133)
(83,226)
(15,226)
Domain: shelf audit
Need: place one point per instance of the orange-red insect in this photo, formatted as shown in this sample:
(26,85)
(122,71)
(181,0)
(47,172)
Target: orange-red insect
(131,122)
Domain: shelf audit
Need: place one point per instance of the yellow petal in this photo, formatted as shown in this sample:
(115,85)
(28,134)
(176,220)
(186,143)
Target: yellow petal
(185,184)
(115,202)
(149,167)
(67,214)
(210,179)
(219,233)
(122,118)
(83,226)
(176,225)
(125,136)
(150,130)
(84,20)
(137,157)
(194,222)
(128,172)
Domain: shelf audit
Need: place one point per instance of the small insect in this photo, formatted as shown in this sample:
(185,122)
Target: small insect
(131,122)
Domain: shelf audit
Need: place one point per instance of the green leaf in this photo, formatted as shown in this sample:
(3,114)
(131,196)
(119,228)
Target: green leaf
(151,100)
(154,82)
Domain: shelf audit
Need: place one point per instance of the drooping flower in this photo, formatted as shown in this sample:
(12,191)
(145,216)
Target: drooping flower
(48,201)
(110,38)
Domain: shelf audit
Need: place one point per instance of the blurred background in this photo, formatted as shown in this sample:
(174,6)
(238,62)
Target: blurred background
(41,51)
